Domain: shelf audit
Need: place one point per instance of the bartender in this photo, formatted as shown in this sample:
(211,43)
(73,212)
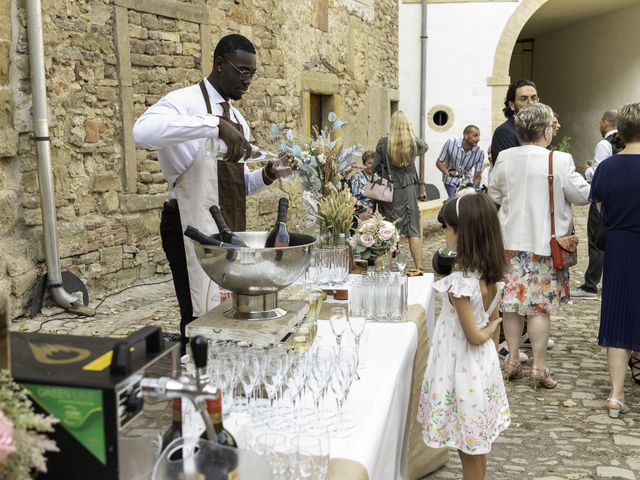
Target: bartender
(201,142)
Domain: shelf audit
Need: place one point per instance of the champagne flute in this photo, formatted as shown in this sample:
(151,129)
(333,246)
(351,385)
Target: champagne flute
(338,322)
(401,261)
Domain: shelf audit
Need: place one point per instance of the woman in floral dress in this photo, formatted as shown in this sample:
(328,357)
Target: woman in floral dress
(463,402)
(533,288)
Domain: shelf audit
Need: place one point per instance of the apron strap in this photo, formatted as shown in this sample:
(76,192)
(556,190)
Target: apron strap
(203,88)
(233,200)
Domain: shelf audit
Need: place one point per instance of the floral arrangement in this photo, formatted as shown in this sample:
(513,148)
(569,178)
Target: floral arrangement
(323,164)
(336,211)
(374,237)
(22,445)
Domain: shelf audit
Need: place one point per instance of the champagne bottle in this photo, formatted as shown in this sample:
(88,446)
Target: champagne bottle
(175,431)
(226,235)
(194,234)
(279,236)
(214,409)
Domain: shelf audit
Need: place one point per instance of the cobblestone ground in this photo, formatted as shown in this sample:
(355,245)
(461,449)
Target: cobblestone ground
(555,434)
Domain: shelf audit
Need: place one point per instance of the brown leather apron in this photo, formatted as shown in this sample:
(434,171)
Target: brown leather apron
(232,191)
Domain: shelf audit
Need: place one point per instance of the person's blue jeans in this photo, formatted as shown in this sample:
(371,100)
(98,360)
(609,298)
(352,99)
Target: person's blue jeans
(450,189)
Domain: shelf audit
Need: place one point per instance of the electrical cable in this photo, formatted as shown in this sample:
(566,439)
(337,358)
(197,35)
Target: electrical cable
(99,303)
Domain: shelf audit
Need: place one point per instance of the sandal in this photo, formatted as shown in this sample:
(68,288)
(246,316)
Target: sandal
(634,365)
(414,272)
(513,371)
(615,412)
(542,379)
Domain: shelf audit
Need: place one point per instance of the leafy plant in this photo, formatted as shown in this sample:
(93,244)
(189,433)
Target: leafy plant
(564,145)
(323,164)
(22,445)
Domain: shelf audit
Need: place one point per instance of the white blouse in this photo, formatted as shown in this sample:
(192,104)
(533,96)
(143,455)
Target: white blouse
(519,184)
(176,124)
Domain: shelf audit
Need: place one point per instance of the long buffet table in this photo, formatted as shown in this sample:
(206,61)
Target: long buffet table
(386,442)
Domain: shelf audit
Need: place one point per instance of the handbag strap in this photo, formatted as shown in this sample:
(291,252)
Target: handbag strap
(386,159)
(551,202)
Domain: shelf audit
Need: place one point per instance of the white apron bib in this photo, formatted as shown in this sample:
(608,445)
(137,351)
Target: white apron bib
(196,191)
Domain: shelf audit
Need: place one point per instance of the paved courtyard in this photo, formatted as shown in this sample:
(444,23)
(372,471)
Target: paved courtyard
(555,434)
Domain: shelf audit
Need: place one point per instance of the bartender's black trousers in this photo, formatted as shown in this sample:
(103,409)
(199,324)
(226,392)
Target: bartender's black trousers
(173,246)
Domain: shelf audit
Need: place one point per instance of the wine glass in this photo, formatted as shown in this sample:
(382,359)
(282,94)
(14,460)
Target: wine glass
(338,321)
(249,374)
(340,380)
(401,261)
(272,378)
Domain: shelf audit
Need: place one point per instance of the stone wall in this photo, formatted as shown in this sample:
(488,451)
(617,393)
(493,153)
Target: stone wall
(106,61)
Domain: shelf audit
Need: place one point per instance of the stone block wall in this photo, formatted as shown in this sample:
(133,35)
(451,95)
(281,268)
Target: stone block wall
(106,61)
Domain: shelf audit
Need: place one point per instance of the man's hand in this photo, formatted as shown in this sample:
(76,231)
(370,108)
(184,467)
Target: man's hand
(284,166)
(238,148)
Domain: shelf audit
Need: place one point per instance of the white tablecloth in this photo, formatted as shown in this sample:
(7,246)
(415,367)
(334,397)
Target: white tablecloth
(380,398)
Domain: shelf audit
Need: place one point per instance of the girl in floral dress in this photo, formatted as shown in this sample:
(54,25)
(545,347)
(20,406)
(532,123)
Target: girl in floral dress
(463,402)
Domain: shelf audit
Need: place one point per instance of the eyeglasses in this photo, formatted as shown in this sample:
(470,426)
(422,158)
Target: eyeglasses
(244,73)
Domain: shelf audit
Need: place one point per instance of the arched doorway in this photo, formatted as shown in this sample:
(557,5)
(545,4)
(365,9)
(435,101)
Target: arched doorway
(583,60)
(500,79)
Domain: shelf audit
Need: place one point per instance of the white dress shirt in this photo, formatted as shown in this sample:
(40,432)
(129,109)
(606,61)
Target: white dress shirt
(604,150)
(176,124)
(519,184)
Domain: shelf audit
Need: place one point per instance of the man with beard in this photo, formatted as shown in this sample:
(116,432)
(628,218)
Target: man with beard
(460,160)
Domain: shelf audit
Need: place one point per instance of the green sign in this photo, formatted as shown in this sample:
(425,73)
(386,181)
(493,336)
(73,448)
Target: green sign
(80,412)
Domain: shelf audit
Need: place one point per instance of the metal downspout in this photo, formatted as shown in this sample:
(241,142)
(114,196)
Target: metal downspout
(45,175)
(423,92)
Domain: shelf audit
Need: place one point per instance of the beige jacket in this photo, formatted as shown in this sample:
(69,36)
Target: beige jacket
(519,184)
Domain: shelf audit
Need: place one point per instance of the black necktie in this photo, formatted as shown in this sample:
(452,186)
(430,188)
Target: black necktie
(227,116)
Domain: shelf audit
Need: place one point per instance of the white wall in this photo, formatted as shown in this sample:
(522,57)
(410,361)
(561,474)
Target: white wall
(462,42)
(586,69)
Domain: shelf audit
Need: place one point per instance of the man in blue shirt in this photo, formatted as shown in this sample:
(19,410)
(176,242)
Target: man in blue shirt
(460,160)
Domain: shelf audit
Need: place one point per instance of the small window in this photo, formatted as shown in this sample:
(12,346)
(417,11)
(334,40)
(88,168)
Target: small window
(440,118)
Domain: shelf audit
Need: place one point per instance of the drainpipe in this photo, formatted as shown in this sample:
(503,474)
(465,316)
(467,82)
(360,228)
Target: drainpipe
(423,93)
(45,175)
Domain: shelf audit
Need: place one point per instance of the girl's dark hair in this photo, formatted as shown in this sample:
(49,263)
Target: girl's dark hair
(480,247)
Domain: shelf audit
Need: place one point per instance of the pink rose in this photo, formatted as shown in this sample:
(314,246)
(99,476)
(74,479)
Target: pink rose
(386,232)
(367,240)
(6,437)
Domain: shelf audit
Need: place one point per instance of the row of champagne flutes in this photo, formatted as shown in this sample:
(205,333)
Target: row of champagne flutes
(380,297)
(287,377)
(329,266)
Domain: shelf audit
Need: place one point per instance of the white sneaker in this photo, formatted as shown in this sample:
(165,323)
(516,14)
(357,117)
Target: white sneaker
(580,293)
(503,353)
(527,343)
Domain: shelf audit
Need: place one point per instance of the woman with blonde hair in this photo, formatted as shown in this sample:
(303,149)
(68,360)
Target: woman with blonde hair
(395,156)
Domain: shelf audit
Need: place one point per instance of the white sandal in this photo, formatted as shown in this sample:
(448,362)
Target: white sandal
(615,412)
